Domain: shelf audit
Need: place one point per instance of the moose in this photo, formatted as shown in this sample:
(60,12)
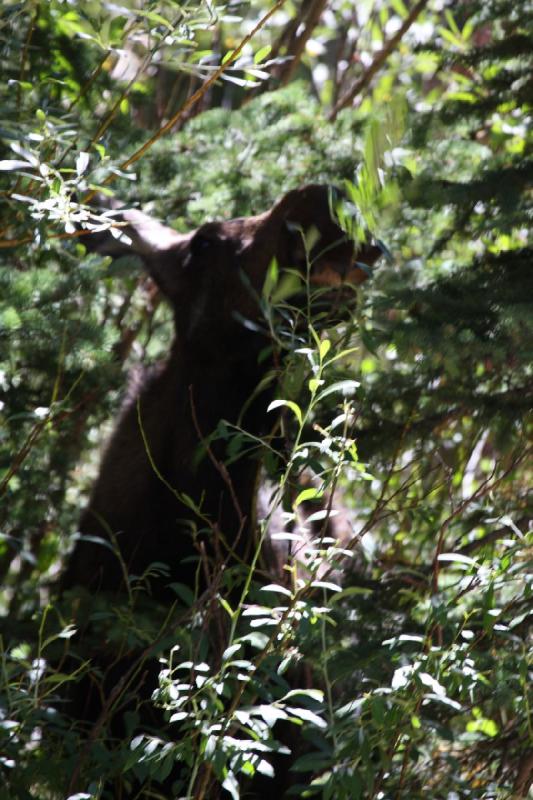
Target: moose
(166,491)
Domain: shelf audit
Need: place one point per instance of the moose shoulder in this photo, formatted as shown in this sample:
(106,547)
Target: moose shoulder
(155,499)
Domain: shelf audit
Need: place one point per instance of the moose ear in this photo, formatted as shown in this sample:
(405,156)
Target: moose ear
(128,231)
(299,219)
(131,232)
(305,205)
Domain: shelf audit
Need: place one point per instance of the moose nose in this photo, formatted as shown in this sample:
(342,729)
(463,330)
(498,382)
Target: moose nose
(331,273)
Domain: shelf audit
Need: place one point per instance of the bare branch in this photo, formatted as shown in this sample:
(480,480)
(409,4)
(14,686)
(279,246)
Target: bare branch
(291,45)
(298,40)
(168,126)
(349,96)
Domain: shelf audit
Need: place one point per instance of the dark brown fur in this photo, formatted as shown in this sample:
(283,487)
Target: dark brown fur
(157,456)
(212,278)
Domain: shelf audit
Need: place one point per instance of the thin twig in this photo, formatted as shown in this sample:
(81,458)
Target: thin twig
(168,126)
(483,489)
(194,98)
(24,56)
(36,431)
(349,96)
(298,40)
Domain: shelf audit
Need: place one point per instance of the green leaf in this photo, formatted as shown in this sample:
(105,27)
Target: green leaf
(378,709)
(325,347)
(288,285)
(226,606)
(256,639)
(10,164)
(230,651)
(447,701)
(468,29)
(60,677)
(400,8)
(271,714)
(183,592)
(346,388)
(314,384)
(308,716)
(262,53)
(294,407)
(458,557)
(271,279)
(451,38)
(429,680)
(486,726)
(451,21)
(154,17)
(275,587)
(313,694)
(231,785)
(332,587)
(311,762)
(311,493)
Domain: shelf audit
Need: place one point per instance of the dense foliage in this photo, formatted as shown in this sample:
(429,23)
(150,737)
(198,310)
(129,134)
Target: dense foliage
(407,677)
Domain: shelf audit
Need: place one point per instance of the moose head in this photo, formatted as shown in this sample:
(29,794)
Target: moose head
(214,275)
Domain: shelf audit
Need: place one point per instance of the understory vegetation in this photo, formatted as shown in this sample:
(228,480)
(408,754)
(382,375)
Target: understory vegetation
(396,651)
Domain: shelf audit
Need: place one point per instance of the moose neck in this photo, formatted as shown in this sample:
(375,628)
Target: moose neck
(221,378)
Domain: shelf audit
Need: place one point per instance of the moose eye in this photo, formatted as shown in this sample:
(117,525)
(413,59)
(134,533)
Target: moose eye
(203,241)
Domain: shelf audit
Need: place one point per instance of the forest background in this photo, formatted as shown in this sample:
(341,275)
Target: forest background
(201,110)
